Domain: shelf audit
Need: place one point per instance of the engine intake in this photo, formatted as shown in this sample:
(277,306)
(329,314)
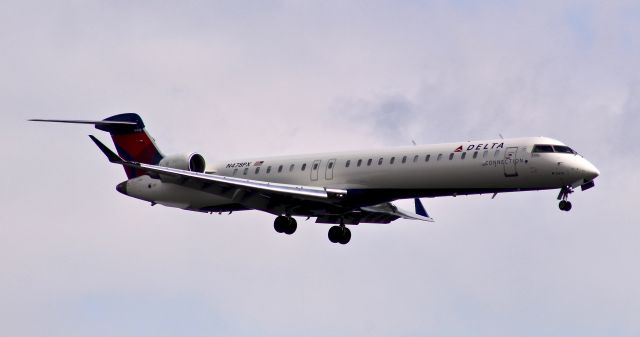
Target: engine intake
(188,161)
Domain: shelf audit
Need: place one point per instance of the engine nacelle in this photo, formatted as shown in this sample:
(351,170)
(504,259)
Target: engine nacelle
(186,161)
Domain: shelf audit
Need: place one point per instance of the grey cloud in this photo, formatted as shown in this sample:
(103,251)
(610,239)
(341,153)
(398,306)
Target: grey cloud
(628,123)
(235,79)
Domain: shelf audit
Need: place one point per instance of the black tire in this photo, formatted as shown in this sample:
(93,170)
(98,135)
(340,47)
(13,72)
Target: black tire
(567,206)
(291,227)
(346,236)
(280,224)
(562,205)
(334,234)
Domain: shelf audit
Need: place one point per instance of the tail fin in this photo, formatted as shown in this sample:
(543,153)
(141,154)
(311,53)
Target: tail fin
(132,142)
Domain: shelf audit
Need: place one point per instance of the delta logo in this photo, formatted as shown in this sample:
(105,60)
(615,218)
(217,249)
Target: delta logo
(481,146)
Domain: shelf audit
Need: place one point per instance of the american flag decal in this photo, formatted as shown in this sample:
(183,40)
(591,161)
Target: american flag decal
(258,163)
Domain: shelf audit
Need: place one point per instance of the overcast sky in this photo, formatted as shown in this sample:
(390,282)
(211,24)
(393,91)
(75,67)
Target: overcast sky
(242,78)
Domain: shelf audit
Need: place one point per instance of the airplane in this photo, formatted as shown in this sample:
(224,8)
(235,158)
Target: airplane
(340,188)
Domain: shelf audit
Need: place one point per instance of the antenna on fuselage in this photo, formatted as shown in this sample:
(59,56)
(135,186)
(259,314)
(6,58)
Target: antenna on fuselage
(500,136)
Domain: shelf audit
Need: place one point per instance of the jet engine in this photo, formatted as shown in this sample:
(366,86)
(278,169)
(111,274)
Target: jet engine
(187,161)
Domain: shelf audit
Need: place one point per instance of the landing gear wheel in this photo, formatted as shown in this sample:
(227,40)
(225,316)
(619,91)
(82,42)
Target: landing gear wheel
(335,233)
(291,227)
(280,224)
(339,234)
(346,236)
(562,205)
(565,205)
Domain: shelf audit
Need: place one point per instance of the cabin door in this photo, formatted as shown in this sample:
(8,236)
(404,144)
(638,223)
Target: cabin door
(510,162)
(328,175)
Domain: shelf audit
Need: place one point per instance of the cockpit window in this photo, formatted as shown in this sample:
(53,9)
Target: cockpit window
(563,149)
(542,149)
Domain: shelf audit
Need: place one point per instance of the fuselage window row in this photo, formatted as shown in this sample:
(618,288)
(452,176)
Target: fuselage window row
(392,160)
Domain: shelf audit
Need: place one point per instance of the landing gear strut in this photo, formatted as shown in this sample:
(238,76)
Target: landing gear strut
(340,234)
(565,205)
(285,224)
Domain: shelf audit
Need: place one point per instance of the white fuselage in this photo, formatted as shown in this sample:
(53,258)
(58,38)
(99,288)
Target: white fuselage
(472,167)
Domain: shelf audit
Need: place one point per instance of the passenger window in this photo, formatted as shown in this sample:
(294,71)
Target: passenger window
(245,171)
(380,161)
(496,154)
(369,162)
(359,162)
(485,153)
(304,166)
(291,167)
(268,169)
(439,156)
(464,154)
(330,166)
(235,171)
(451,156)
(475,155)
(427,158)
(404,159)
(315,166)
(392,160)
(415,158)
(348,163)
(279,168)
(257,169)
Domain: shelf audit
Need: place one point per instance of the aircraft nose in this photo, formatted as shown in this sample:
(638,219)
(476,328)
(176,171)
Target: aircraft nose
(122,187)
(589,170)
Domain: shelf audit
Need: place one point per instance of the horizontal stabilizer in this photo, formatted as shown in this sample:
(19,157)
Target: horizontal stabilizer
(105,123)
(118,124)
(131,140)
(114,158)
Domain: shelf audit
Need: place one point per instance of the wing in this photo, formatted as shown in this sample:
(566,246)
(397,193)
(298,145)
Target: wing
(261,195)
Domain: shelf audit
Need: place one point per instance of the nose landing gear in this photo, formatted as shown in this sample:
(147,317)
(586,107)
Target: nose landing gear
(565,205)
(285,224)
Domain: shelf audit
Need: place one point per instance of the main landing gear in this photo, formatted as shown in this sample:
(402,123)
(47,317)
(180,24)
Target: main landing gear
(339,234)
(285,224)
(288,225)
(565,205)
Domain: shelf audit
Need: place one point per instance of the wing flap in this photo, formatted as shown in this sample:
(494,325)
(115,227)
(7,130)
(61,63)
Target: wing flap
(393,210)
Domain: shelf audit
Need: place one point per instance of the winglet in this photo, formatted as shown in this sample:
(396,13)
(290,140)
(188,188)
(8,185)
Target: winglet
(420,209)
(114,158)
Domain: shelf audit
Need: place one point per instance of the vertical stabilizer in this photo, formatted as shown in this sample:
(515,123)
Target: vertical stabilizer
(132,141)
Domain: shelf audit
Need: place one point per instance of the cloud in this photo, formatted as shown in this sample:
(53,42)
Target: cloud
(236,79)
